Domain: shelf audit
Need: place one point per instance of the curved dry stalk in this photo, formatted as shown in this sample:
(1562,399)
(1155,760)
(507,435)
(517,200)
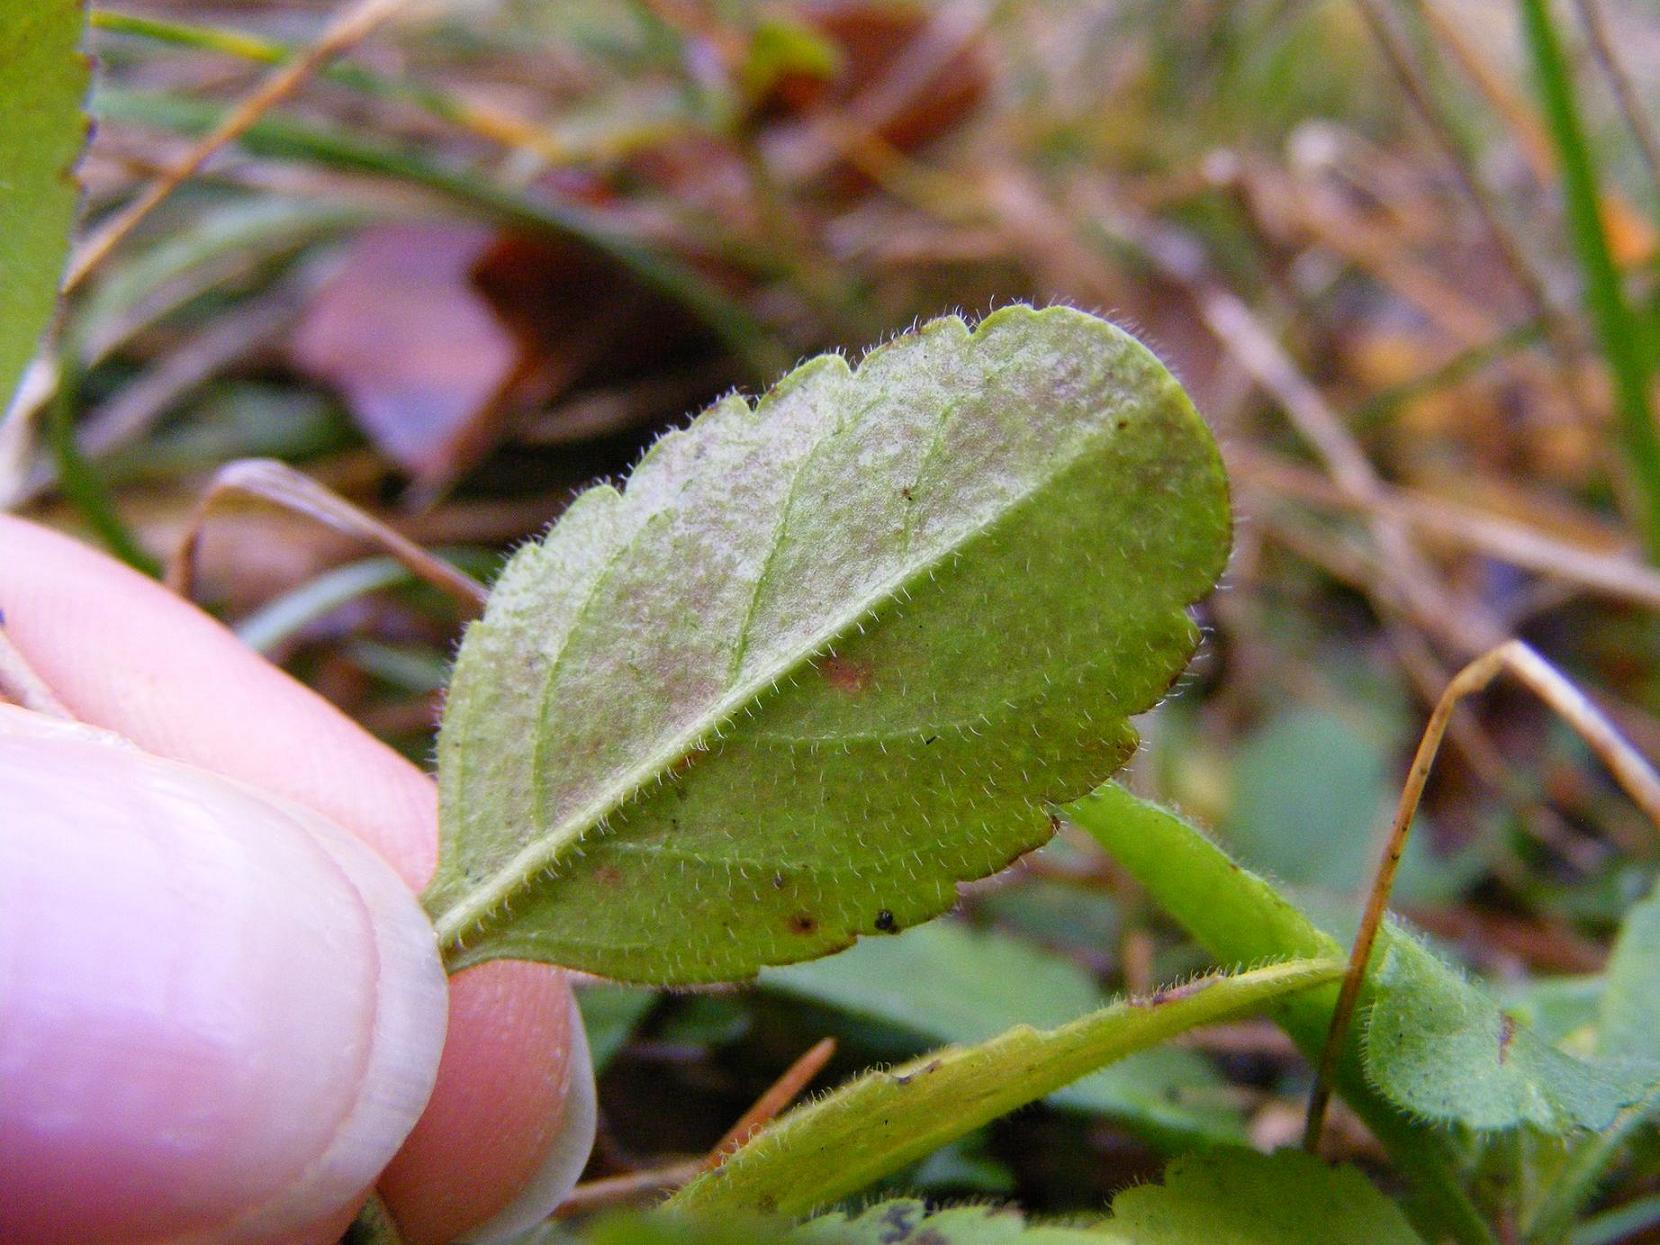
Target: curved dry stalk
(279,484)
(782,1092)
(348,27)
(619,1190)
(1634,774)
(22,685)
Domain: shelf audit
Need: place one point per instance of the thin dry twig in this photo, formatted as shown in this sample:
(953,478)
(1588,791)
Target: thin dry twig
(1614,575)
(620,1190)
(1597,35)
(769,1104)
(1422,99)
(1628,767)
(349,26)
(21,683)
(268,480)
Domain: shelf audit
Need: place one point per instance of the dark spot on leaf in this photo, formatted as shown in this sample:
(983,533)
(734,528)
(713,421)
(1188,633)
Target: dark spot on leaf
(905,1078)
(802,923)
(884,921)
(608,875)
(778,881)
(843,675)
(932,739)
(1507,1031)
(1122,424)
(1169,994)
(907,494)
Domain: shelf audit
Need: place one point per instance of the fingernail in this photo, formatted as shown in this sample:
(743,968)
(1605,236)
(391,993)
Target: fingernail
(567,1152)
(219,1014)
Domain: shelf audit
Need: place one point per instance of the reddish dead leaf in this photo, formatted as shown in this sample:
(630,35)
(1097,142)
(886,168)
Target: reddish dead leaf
(441,336)
(407,341)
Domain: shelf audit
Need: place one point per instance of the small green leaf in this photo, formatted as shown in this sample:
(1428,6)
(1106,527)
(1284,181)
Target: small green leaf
(905,1222)
(1629,1024)
(947,983)
(826,656)
(43,84)
(1439,1046)
(1235,1197)
(899,1222)
(882,1121)
(1241,919)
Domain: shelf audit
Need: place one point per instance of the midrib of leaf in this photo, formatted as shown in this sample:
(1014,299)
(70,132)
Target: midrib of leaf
(544,850)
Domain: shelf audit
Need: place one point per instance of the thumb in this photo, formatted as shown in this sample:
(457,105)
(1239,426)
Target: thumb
(220,1015)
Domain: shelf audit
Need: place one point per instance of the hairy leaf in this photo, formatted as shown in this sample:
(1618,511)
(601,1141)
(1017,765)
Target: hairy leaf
(1438,1045)
(825,656)
(905,1222)
(1241,919)
(881,1121)
(900,1222)
(1235,1197)
(43,82)
(947,983)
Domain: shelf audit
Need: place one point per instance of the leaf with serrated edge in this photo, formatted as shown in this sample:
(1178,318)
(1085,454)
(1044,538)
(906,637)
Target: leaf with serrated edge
(43,83)
(1439,1046)
(882,1121)
(1235,1197)
(827,656)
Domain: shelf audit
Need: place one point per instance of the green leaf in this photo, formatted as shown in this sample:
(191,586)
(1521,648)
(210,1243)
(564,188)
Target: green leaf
(1236,1197)
(884,1120)
(905,1222)
(900,1222)
(1241,919)
(826,656)
(1629,1023)
(947,983)
(43,83)
(1438,1045)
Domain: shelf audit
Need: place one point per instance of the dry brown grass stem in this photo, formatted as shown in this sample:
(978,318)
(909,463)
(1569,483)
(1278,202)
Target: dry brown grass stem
(1633,773)
(782,1092)
(1615,575)
(349,26)
(278,484)
(1601,42)
(22,685)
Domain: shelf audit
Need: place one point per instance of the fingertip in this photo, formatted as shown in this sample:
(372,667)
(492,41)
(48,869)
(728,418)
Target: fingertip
(219,1015)
(125,654)
(511,1121)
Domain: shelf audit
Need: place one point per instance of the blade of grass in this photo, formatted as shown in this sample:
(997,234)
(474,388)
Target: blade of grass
(84,488)
(1617,329)
(279,137)
(486,122)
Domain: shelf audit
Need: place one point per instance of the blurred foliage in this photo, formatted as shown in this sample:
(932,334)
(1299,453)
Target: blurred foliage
(648,202)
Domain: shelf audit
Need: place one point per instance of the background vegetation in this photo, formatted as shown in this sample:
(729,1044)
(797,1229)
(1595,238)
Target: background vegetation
(1402,253)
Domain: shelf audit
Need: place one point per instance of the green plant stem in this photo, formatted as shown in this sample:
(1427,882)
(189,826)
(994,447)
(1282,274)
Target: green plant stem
(280,137)
(1618,331)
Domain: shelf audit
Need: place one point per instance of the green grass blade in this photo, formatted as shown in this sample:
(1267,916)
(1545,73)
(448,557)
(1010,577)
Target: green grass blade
(1618,330)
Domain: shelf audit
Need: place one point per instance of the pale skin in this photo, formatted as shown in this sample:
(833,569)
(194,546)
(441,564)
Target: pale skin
(119,652)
